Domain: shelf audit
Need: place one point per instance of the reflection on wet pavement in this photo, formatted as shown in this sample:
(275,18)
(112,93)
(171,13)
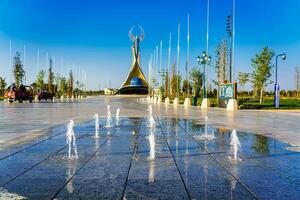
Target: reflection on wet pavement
(131,162)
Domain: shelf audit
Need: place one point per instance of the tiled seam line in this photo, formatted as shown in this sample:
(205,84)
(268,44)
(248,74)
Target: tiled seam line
(185,187)
(252,193)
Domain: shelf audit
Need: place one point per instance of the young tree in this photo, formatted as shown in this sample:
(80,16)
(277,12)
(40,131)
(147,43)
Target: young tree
(2,86)
(57,82)
(186,87)
(50,78)
(197,80)
(70,84)
(175,84)
(297,76)
(221,66)
(243,78)
(40,83)
(63,86)
(166,89)
(261,74)
(18,70)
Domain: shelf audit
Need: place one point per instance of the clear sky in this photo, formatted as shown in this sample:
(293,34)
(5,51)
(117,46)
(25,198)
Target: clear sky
(93,34)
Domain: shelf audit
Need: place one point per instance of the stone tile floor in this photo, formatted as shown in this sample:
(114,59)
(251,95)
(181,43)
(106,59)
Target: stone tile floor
(117,165)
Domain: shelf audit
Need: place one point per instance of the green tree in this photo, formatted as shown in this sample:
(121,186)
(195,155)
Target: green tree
(40,83)
(18,70)
(2,86)
(70,84)
(297,77)
(243,78)
(57,82)
(50,78)
(63,86)
(175,84)
(186,87)
(261,74)
(196,80)
(221,66)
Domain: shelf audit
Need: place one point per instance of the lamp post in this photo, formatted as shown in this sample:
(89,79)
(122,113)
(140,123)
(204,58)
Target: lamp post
(163,74)
(204,59)
(276,86)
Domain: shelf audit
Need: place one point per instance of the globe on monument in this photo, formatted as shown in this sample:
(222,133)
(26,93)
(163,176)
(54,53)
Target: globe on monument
(136,81)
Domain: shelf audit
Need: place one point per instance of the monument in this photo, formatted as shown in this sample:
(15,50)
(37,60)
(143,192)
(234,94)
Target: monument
(135,83)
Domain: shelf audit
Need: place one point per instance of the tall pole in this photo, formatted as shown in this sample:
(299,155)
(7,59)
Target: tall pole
(160,63)
(156,66)
(178,59)
(24,57)
(169,62)
(232,42)
(153,72)
(188,54)
(46,63)
(207,40)
(10,61)
(54,62)
(37,61)
(149,75)
(61,66)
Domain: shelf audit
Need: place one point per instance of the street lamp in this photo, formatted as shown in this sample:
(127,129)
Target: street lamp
(204,59)
(164,75)
(276,86)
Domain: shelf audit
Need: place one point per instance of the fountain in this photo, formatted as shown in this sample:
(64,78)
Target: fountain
(96,117)
(62,98)
(118,116)
(36,98)
(205,136)
(108,121)
(235,145)
(151,121)
(150,110)
(152,124)
(151,139)
(71,140)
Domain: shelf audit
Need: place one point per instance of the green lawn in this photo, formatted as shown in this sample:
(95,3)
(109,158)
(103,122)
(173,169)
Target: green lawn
(269,104)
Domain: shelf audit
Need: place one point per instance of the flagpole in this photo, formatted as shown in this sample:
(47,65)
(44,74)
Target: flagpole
(178,60)
(37,60)
(10,62)
(188,53)
(24,57)
(169,62)
(160,63)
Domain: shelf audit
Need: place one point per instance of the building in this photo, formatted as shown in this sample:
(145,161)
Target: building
(109,91)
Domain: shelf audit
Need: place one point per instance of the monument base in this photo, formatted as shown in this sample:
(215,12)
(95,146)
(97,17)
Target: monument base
(159,100)
(232,105)
(176,101)
(205,103)
(167,101)
(36,98)
(187,102)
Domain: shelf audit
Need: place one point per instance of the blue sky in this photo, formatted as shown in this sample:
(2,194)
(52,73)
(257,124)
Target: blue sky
(93,35)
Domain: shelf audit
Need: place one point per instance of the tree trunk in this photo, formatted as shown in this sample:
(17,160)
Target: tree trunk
(261,95)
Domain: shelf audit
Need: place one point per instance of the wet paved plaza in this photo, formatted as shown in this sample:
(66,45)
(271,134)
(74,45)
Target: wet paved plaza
(20,123)
(118,166)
